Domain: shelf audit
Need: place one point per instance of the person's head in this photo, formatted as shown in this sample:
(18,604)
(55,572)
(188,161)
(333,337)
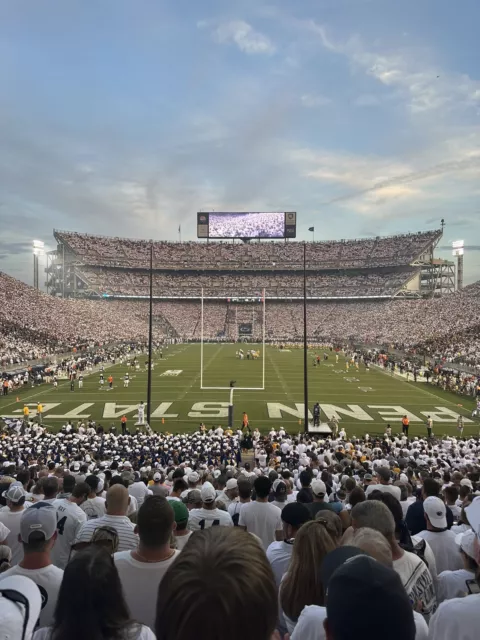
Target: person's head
(302,585)
(80,492)
(15,496)
(430,488)
(24,477)
(244,489)
(332,523)
(68,483)
(90,586)
(231,488)
(350,485)
(179,486)
(451,494)
(383,475)
(107,538)
(378,604)
(403,490)
(193,499)
(262,486)
(305,479)
(155,522)
(294,515)
(5,558)
(208,495)
(225,571)
(356,496)
(280,490)
(93,482)
(116,503)
(319,490)
(374,543)
(158,478)
(374,515)
(467,543)
(435,513)
(180,515)
(50,487)
(38,528)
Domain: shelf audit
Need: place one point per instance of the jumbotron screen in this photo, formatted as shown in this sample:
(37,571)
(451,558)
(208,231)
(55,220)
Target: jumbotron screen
(272,224)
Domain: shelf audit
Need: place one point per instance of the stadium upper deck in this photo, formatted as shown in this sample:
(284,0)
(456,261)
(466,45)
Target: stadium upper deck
(390,251)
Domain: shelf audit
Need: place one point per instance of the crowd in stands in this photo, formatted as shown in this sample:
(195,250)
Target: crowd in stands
(190,283)
(246,225)
(174,537)
(388,251)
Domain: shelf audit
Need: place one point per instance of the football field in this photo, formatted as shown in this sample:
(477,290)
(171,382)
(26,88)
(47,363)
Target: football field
(364,401)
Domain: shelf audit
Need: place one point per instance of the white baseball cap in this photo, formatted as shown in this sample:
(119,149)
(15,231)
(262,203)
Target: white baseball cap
(436,512)
(20,605)
(157,477)
(208,492)
(473,515)
(231,484)
(466,542)
(319,488)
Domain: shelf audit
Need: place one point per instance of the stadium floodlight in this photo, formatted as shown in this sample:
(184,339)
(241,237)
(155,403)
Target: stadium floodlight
(38,250)
(458,247)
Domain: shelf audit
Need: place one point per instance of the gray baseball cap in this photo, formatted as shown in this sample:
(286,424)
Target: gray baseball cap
(41,517)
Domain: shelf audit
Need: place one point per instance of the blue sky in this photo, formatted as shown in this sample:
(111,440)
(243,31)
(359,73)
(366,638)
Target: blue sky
(125,117)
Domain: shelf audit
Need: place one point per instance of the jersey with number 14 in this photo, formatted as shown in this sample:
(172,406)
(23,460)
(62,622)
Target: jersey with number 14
(70,518)
(199,519)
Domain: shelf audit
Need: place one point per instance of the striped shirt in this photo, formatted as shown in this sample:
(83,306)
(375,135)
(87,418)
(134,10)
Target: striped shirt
(125,529)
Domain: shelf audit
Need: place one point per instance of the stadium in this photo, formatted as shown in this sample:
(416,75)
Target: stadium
(385,295)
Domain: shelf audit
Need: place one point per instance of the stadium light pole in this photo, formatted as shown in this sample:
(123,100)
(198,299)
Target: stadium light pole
(150,339)
(305,340)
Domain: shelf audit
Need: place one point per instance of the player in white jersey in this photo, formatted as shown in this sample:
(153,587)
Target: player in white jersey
(208,516)
(102,381)
(141,413)
(80,381)
(70,519)
(126,380)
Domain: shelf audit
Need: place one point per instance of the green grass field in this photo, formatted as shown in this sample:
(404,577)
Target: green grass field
(365,401)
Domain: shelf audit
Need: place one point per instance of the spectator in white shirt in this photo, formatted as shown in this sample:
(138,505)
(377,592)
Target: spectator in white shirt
(181,531)
(91,603)
(441,540)
(230,493)
(20,604)
(384,477)
(453,584)
(459,618)
(51,488)
(70,519)
(138,489)
(244,495)
(279,553)
(142,569)
(38,532)
(260,517)
(94,506)
(10,516)
(209,515)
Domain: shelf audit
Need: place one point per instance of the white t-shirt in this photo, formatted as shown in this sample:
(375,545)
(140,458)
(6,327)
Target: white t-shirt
(384,488)
(11,519)
(457,619)
(199,519)
(181,541)
(144,633)
(263,519)
(70,519)
(279,555)
(418,583)
(310,625)
(234,509)
(140,491)
(140,582)
(451,584)
(94,507)
(127,539)
(4,532)
(445,549)
(48,581)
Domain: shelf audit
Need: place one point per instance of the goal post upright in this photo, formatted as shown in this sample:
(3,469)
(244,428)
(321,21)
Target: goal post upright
(201,342)
(264,355)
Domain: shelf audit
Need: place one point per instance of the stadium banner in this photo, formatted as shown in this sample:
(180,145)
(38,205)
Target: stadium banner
(245,329)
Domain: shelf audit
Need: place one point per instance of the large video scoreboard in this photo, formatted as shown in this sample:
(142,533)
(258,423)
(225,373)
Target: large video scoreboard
(254,224)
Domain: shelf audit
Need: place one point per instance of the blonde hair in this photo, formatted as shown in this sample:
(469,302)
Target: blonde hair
(374,543)
(5,558)
(302,585)
(221,575)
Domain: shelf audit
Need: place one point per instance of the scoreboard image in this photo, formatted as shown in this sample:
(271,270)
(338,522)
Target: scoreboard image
(251,225)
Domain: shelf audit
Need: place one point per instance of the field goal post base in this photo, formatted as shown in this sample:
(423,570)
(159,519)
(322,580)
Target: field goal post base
(231,388)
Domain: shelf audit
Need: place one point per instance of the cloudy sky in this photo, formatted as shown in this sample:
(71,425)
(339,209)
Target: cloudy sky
(125,117)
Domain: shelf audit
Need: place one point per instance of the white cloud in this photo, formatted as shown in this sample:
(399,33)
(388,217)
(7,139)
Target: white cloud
(425,86)
(244,36)
(312,101)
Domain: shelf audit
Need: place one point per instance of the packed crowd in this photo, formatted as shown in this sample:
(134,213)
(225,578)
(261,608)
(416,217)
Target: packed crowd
(191,283)
(168,537)
(246,225)
(375,252)
(33,323)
